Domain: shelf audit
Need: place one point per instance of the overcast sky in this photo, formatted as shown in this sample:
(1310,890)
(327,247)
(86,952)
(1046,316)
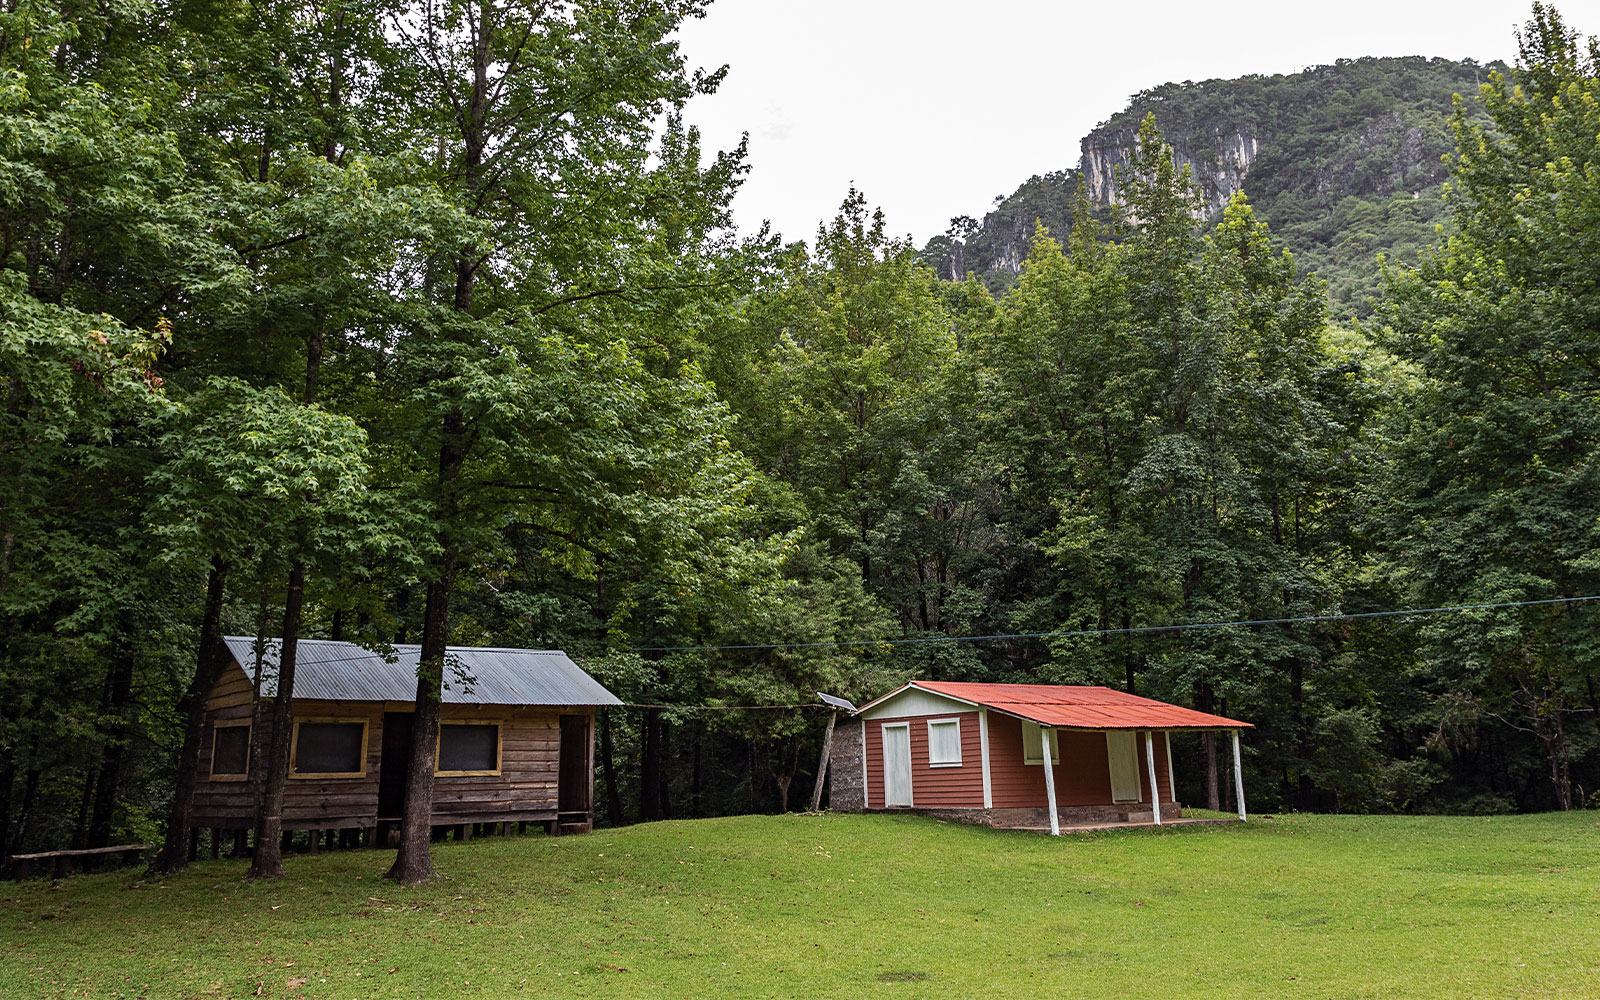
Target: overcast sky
(933,108)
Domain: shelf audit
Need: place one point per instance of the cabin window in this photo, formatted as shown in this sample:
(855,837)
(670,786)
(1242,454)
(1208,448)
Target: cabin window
(468,748)
(230,750)
(329,748)
(1030,745)
(944,742)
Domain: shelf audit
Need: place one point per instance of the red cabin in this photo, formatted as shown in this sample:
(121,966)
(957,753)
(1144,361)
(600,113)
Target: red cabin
(975,753)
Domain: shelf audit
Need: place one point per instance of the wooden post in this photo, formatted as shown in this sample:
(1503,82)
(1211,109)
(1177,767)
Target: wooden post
(1155,788)
(822,765)
(1238,776)
(1049,780)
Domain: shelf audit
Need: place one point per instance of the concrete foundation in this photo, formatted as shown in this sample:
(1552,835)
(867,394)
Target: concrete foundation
(1039,817)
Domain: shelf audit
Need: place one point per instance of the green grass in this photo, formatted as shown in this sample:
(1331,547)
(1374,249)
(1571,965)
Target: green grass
(852,906)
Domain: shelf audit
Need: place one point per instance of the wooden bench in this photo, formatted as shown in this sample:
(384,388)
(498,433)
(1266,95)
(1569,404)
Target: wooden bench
(62,862)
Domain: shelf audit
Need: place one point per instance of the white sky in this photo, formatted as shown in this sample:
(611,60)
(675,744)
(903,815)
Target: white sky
(933,108)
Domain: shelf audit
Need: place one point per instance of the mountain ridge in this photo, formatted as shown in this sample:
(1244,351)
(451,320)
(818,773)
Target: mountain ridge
(1344,161)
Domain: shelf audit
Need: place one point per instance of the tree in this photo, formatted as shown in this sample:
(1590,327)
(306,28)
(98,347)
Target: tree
(253,478)
(537,120)
(1493,491)
(1172,423)
(843,373)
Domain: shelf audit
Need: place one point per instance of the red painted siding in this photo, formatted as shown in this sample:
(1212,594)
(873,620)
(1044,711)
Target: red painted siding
(1083,778)
(931,787)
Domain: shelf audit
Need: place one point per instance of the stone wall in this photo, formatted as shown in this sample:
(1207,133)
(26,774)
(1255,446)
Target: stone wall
(845,791)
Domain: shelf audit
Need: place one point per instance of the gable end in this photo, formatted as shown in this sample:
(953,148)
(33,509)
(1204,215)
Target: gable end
(914,701)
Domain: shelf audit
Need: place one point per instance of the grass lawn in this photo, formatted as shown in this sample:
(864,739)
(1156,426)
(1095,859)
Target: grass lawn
(851,906)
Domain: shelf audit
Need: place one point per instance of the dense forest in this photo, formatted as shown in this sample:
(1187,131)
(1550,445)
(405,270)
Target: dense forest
(397,322)
(1344,162)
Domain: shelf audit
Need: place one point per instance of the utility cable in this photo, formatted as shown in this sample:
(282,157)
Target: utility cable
(273,644)
(1078,633)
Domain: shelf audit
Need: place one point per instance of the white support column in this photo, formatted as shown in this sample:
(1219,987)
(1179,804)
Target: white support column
(1172,776)
(983,747)
(1049,779)
(866,793)
(1155,787)
(1238,776)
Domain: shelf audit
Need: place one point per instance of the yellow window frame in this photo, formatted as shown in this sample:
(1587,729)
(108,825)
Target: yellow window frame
(294,748)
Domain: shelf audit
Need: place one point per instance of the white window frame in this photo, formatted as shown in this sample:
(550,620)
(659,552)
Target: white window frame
(1030,744)
(944,722)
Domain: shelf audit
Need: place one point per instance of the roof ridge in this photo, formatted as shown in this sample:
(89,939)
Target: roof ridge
(399,645)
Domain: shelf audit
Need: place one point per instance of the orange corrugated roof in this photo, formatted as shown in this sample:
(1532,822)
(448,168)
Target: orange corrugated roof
(1078,707)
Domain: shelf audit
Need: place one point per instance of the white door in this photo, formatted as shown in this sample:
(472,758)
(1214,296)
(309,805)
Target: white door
(897,765)
(1122,750)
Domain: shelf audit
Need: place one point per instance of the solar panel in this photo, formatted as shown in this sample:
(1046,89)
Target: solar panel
(839,703)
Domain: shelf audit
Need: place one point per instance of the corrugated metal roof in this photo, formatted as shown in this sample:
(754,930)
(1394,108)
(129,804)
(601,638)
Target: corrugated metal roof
(1073,706)
(473,675)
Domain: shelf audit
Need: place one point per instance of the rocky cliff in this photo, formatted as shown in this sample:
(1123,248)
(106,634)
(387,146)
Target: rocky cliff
(1218,160)
(1344,161)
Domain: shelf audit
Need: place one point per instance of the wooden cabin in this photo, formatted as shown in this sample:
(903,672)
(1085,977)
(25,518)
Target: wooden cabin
(976,752)
(516,738)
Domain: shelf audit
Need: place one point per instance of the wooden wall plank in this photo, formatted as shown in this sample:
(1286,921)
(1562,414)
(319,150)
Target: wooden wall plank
(931,787)
(526,787)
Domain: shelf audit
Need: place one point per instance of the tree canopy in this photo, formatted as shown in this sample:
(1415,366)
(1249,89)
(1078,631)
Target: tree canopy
(397,322)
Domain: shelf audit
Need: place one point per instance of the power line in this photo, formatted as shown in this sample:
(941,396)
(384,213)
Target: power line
(717,708)
(274,644)
(1076,633)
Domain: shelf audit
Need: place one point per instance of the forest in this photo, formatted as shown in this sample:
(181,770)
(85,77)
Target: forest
(393,322)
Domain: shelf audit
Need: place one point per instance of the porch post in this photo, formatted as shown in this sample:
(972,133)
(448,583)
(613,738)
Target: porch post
(1150,762)
(1238,776)
(1049,779)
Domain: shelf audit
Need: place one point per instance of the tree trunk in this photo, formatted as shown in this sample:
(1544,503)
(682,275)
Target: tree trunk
(30,790)
(8,780)
(1205,701)
(696,779)
(413,863)
(750,764)
(1297,715)
(609,769)
(80,829)
(1555,741)
(116,742)
(650,767)
(267,862)
(1130,659)
(664,770)
(192,709)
